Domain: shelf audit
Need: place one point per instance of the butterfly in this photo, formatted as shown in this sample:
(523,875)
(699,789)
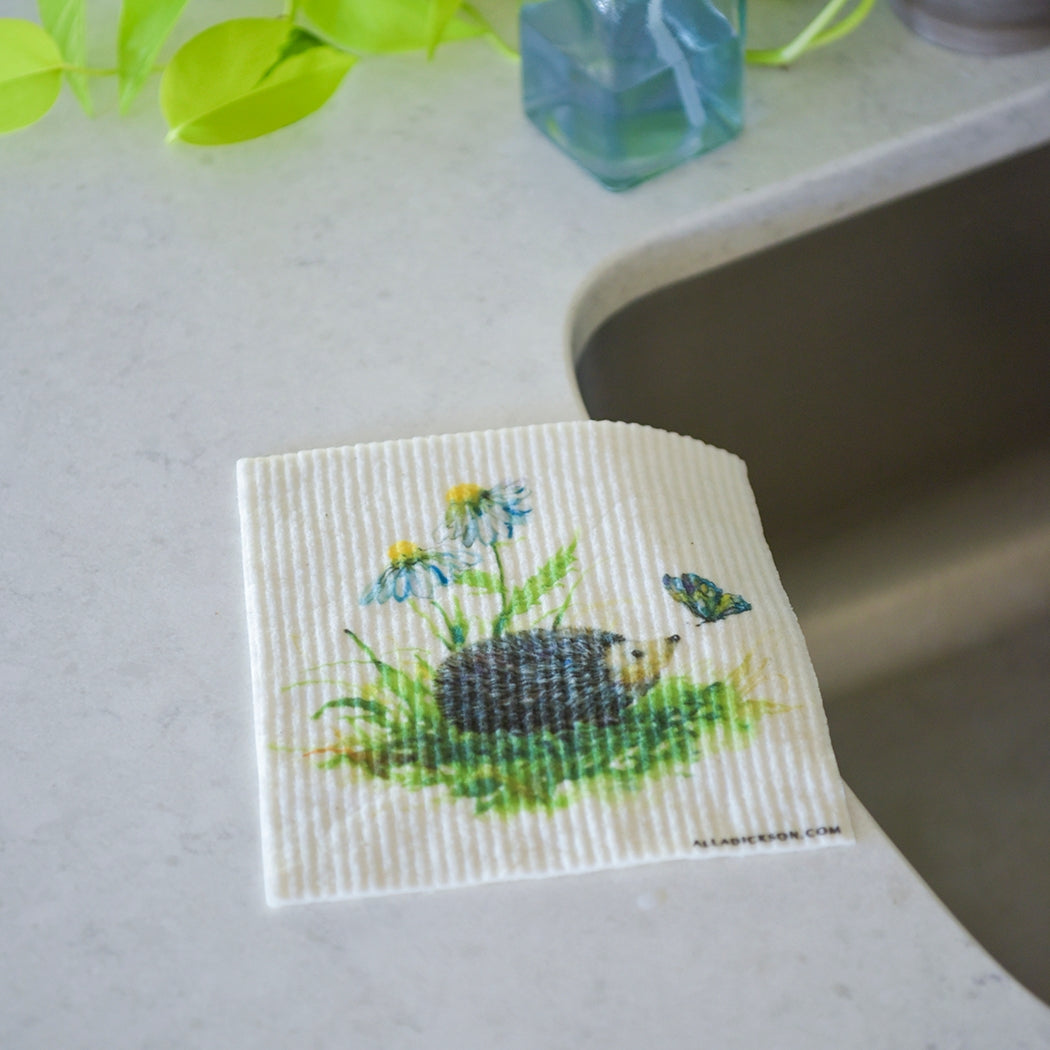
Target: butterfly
(704,598)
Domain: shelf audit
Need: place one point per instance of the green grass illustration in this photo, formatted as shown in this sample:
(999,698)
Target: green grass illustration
(395,732)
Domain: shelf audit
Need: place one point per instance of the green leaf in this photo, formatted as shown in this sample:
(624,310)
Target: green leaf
(378,712)
(460,625)
(236,81)
(144,26)
(547,577)
(404,687)
(480,580)
(30,73)
(383,26)
(439,14)
(65,21)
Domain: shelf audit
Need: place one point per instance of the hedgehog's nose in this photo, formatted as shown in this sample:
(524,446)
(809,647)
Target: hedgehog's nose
(674,639)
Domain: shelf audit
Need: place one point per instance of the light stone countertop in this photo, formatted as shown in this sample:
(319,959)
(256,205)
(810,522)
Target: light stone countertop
(413,259)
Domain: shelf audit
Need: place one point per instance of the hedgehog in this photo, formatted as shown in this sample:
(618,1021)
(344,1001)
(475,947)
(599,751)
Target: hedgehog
(547,678)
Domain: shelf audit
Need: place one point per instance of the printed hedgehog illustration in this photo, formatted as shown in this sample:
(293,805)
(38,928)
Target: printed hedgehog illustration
(548,679)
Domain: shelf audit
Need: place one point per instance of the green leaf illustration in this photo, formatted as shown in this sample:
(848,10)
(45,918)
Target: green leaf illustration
(65,21)
(460,625)
(477,787)
(30,73)
(371,27)
(674,726)
(486,582)
(547,577)
(403,686)
(373,710)
(237,81)
(144,26)
(400,684)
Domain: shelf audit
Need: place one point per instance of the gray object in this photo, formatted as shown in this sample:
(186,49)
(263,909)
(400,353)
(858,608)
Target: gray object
(987,27)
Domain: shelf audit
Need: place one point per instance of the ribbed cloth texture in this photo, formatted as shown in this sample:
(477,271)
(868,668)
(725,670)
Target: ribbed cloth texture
(318,528)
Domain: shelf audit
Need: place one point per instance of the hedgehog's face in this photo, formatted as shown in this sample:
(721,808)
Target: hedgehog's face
(637,665)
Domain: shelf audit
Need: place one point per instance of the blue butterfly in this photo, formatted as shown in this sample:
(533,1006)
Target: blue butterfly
(704,598)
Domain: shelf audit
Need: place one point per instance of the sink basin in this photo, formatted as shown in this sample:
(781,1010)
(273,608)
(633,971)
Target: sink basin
(887,380)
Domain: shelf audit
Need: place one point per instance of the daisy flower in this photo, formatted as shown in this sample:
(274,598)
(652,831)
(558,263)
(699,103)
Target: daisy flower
(413,571)
(487,516)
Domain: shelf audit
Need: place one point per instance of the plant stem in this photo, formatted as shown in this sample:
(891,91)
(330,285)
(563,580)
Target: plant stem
(845,25)
(560,610)
(428,620)
(444,616)
(504,614)
(448,640)
(819,32)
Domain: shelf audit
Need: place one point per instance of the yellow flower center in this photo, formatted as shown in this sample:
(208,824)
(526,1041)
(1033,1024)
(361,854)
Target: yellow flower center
(403,551)
(465,493)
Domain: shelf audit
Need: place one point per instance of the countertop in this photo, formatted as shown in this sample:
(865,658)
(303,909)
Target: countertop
(412,259)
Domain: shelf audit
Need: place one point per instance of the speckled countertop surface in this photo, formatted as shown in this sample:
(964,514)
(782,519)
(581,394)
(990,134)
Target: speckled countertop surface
(413,259)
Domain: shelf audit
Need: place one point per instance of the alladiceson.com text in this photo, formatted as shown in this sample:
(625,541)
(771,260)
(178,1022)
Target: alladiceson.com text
(769,836)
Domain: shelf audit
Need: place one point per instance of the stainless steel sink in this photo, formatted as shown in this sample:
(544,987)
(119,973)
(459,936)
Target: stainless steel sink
(887,380)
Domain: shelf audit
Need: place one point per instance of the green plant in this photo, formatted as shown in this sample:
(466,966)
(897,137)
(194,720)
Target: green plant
(236,80)
(249,76)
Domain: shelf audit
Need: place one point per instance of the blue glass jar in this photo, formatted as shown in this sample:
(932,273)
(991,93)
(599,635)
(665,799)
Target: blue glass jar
(630,88)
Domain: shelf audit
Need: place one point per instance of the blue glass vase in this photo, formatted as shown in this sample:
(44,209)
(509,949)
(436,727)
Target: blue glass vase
(630,88)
